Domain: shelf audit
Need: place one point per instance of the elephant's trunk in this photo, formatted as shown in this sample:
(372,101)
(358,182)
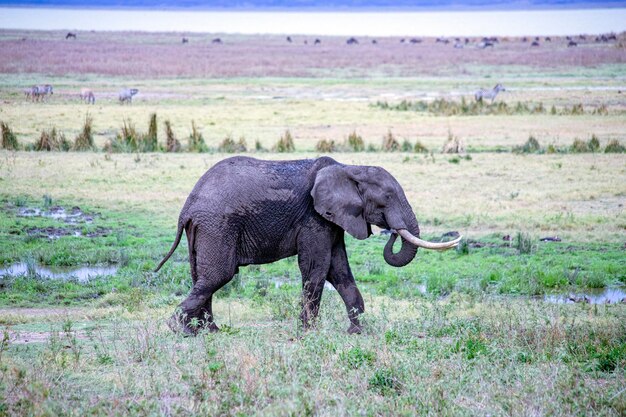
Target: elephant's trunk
(407,251)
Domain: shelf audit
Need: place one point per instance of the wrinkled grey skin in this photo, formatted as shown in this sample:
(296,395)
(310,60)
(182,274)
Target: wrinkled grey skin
(247,211)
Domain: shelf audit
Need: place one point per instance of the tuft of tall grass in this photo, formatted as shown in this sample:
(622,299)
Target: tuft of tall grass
(229,145)
(150,141)
(594,143)
(84,140)
(326,146)
(172,144)
(390,144)
(419,148)
(355,142)
(531,146)
(579,146)
(9,140)
(51,140)
(453,144)
(196,141)
(614,147)
(524,243)
(285,143)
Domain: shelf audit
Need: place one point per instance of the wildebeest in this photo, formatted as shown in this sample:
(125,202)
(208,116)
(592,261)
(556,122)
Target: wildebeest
(289,39)
(86,94)
(548,39)
(535,43)
(483,45)
(415,41)
(317,42)
(70,35)
(488,94)
(571,44)
(352,41)
(185,40)
(39,92)
(216,40)
(126,95)
(402,40)
(374,42)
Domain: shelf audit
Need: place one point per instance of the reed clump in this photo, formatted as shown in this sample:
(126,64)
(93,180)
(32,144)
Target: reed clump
(9,140)
(390,144)
(84,140)
(355,142)
(196,140)
(229,145)
(172,144)
(326,146)
(51,140)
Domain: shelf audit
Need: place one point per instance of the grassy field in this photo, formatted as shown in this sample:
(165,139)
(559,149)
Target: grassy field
(466,332)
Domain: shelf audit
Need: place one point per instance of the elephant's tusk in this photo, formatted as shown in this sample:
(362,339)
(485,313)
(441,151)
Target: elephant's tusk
(406,235)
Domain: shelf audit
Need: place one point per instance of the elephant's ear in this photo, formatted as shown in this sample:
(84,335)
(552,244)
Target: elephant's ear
(337,199)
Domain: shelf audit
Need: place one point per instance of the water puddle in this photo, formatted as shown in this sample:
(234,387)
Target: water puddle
(592,296)
(57,232)
(81,274)
(74,215)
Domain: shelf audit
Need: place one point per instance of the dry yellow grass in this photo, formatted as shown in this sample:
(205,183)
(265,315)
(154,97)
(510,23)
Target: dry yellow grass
(577,196)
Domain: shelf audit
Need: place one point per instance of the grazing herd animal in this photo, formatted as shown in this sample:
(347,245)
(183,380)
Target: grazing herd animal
(86,95)
(488,94)
(70,35)
(38,92)
(126,95)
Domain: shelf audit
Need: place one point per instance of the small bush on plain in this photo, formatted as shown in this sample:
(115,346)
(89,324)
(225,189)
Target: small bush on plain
(531,146)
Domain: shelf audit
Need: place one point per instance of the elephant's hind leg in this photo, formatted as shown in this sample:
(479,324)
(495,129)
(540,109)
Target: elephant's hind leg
(215,265)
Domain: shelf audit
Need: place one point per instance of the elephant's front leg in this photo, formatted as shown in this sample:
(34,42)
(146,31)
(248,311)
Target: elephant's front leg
(340,276)
(314,263)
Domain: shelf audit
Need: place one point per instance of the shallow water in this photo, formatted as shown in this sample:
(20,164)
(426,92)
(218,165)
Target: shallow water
(75,215)
(346,23)
(591,296)
(81,274)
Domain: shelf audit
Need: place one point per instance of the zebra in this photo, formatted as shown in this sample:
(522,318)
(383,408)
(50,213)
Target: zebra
(39,92)
(86,94)
(488,94)
(127,95)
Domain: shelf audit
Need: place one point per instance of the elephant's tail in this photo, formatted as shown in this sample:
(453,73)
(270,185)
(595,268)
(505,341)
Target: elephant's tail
(179,234)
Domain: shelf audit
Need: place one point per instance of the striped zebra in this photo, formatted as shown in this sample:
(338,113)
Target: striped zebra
(488,94)
(86,94)
(126,95)
(39,92)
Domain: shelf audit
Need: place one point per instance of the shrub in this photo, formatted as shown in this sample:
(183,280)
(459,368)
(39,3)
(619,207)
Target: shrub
(84,140)
(229,145)
(258,146)
(579,146)
(196,141)
(407,146)
(9,140)
(127,140)
(420,148)
(594,144)
(285,143)
(172,144)
(355,142)
(614,147)
(326,146)
(531,146)
(390,144)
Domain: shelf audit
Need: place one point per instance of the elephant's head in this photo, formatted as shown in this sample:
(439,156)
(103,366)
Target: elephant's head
(355,197)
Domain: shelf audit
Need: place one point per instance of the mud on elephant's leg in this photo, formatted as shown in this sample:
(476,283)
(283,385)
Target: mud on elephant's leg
(340,276)
(194,313)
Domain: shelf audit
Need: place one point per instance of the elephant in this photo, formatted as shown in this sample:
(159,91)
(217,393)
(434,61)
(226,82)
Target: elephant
(245,211)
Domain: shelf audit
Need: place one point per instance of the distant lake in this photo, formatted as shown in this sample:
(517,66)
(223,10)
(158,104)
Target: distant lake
(397,23)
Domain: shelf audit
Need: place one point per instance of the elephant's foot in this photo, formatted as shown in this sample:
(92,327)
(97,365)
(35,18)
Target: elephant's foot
(178,326)
(355,328)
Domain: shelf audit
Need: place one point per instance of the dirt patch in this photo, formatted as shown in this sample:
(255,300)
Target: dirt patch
(25,337)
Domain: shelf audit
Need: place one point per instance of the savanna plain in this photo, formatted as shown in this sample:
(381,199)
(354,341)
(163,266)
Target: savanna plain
(526,317)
